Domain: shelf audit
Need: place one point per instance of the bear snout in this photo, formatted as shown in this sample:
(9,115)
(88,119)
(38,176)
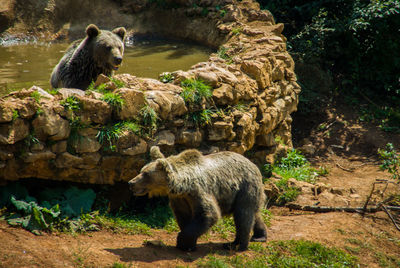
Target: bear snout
(117,60)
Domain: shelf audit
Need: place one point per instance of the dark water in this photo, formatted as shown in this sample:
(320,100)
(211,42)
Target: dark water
(24,65)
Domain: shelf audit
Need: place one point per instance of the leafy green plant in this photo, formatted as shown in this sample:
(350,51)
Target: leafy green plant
(54,208)
(53,91)
(390,160)
(71,103)
(34,217)
(118,83)
(36,95)
(113,99)
(166,77)
(194,91)
(296,166)
(15,115)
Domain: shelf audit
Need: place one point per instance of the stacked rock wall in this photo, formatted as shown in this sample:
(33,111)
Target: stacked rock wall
(77,136)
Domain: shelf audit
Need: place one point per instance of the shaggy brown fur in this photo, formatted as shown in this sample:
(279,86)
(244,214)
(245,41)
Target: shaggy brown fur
(201,189)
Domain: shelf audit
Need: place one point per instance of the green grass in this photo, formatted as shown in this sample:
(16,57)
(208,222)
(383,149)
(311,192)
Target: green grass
(291,253)
(118,83)
(108,134)
(296,166)
(113,99)
(200,118)
(222,53)
(149,119)
(36,95)
(194,91)
(236,31)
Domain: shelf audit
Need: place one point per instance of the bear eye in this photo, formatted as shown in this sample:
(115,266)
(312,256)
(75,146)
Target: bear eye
(109,48)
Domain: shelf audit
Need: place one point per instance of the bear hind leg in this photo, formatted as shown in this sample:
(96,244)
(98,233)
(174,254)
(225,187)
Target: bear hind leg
(244,220)
(259,229)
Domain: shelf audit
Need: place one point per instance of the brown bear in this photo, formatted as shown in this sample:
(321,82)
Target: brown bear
(99,53)
(202,188)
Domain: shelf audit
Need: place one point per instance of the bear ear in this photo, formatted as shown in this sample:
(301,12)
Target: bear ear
(165,165)
(121,32)
(155,153)
(92,30)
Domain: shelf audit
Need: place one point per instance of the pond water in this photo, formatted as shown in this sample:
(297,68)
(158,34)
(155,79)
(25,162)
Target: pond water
(24,65)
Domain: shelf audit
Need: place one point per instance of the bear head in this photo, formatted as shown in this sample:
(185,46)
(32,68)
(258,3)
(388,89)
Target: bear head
(107,46)
(153,178)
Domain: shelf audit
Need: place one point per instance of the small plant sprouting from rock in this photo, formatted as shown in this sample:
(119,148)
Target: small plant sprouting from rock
(111,133)
(114,99)
(76,125)
(31,139)
(194,91)
(236,31)
(15,115)
(71,103)
(166,77)
(149,119)
(222,12)
(390,161)
(201,118)
(36,95)
(118,83)
(223,54)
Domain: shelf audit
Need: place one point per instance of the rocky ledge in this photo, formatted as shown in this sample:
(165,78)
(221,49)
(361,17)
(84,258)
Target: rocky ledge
(239,100)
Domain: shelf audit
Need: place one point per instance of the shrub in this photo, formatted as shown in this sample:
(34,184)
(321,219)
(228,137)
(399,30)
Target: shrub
(293,165)
(356,41)
(390,160)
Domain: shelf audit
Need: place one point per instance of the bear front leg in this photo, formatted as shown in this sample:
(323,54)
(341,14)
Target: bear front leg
(206,214)
(182,211)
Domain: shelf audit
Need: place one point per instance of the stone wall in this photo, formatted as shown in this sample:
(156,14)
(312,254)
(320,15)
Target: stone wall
(85,139)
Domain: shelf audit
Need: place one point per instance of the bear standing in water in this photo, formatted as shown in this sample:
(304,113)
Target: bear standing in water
(99,53)
(201,189)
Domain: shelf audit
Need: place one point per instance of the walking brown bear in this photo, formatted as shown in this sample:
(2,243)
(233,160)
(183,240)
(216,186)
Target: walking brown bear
(202,188)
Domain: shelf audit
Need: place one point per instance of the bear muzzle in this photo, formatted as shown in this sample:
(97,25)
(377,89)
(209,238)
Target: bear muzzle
(116,63)
(133,186)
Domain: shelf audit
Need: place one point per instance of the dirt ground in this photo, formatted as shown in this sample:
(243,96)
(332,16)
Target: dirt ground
(346,148)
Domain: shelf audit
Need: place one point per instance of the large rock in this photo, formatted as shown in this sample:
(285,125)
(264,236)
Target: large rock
(166,104)
(49,124)
(134,101)
(14,132)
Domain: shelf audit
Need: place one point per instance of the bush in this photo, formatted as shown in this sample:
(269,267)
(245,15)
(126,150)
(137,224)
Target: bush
(357,41)
(293,165)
